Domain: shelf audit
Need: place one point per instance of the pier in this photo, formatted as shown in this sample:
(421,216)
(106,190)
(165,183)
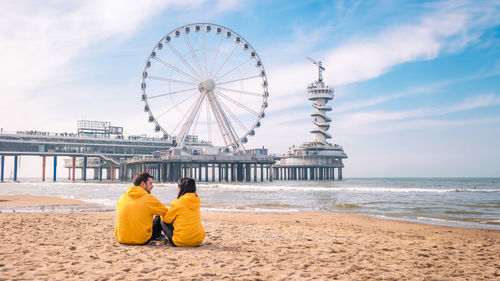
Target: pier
(97,142)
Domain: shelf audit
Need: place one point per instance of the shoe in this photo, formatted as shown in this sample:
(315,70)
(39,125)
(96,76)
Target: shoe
(160,238)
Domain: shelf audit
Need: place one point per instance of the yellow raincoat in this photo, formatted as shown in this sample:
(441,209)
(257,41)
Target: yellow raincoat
(136,209)
(184,212)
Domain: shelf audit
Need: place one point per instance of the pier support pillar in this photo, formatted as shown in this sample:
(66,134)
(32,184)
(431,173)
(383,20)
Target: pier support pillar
(248,172)
(226,176)
(55,168)
(261,172)
(239,172)
(96,173)
(213,172)
(84,169)
(2,168)
(340,173)
(44,162)
(168,172)
(100,169)
(73,165)
(15,168)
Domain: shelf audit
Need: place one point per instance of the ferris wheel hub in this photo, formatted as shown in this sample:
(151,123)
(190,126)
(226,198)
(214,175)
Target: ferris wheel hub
(207,85)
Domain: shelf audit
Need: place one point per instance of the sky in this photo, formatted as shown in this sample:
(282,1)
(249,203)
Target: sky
(417,83)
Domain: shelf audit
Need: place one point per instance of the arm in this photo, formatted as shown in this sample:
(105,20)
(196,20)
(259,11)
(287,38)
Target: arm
(169,217)
(156,206)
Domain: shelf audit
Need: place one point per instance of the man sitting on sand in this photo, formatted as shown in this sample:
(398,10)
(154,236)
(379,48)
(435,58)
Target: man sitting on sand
(136,209)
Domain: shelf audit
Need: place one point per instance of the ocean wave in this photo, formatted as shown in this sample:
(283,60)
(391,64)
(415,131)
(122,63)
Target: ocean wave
(338,189)
(347,206)
(242,209)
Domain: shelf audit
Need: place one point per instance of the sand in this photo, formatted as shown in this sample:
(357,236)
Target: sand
(31,200)
(247,246)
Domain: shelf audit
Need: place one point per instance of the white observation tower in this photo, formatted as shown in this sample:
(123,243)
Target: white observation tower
(319,159)
(320,94)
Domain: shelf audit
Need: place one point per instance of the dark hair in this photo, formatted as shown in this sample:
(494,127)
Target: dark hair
(186,185)
(141,177)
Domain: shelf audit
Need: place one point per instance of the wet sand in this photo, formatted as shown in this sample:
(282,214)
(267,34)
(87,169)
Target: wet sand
(31,200)
(247,246)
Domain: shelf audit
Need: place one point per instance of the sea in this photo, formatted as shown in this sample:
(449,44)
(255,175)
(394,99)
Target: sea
(459,202)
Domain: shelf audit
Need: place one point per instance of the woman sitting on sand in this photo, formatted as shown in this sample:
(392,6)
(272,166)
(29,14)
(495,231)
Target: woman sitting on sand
(182,222)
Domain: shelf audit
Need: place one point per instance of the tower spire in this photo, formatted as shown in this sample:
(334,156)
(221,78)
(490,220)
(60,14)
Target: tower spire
(320,69)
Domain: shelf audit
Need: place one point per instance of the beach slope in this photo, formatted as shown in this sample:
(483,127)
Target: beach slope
(247,246)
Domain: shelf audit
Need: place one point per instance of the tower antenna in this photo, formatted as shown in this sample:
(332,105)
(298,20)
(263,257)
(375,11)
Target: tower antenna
(320,68)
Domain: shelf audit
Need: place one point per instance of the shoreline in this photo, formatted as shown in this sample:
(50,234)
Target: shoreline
(51,204)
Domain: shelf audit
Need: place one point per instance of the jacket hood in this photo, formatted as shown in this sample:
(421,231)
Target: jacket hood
(136,192)
(192,200)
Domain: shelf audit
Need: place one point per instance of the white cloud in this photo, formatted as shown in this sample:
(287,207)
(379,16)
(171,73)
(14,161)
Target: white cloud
(377,121)
(451,27)
(38,42)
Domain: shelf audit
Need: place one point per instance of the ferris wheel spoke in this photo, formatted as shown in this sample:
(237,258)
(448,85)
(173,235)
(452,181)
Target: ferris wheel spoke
(185,117)
(238,80)
(193,55)
(232,133)
(232,115)
(238,103)
(204,53)
(226,60)
(218,118)
(171,80)
(190,120)
(176,69)
(240,92)
(197,118)
(236,67)
(176,105)
(209,123)
(174,50)
(215,56)
(172,93)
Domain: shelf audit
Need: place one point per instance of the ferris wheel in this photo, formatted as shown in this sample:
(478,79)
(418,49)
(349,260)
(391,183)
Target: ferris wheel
(205,80)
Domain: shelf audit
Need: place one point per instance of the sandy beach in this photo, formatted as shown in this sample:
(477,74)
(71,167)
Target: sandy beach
(244,246)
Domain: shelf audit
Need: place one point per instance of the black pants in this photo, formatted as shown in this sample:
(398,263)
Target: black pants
(168,229)
(156,229)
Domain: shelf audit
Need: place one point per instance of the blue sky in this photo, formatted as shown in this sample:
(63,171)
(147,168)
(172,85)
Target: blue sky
(416,82)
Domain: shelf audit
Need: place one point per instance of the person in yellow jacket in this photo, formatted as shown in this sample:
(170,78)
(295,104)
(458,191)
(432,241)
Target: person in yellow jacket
(136,208)
(182,222)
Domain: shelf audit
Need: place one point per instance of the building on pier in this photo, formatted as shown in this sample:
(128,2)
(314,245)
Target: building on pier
(316,160)
(203,162)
